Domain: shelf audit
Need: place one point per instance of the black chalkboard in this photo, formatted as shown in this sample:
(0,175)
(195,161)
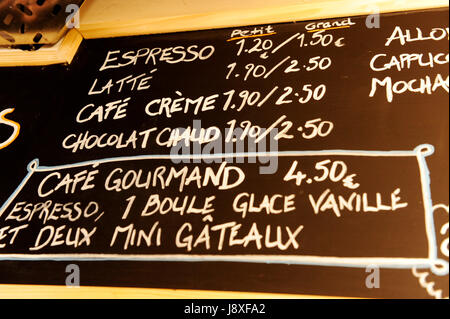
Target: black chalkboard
(303,157)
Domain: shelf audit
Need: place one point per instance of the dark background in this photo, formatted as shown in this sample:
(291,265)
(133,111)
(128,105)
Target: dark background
(47,100)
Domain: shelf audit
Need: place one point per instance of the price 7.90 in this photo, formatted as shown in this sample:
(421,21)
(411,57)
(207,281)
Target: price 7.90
(247,98)
(261,71)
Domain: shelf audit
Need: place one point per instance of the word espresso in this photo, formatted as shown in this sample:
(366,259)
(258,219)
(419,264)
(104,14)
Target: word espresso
(172,55)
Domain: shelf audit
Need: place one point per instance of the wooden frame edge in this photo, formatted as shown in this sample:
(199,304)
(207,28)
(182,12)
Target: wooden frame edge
(264,15)
(62,52)
(63,292)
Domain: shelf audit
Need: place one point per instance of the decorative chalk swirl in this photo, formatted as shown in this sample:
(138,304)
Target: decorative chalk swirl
(423,276)
(444,229)
(428,285)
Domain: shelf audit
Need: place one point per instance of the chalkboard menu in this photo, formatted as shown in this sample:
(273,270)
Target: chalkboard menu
(303,158)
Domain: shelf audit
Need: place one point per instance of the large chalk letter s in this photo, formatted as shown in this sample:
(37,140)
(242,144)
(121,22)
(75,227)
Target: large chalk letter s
(15,125)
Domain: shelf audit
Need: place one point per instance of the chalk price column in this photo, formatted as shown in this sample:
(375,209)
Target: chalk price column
(272,62)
